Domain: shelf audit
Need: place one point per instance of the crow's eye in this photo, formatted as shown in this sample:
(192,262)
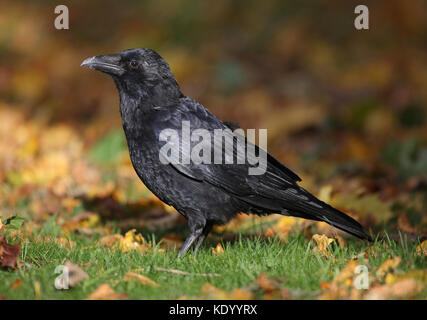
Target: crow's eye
(134,64)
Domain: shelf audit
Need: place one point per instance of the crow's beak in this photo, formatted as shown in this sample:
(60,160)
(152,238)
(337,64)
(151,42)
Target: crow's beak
(109,64)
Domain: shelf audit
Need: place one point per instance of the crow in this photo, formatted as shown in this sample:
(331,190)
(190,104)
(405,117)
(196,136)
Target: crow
(207,192)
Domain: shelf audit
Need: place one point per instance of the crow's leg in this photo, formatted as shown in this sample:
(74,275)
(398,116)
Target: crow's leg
(196,225)
(203,236)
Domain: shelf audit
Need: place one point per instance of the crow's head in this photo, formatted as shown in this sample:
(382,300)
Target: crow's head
(138,72)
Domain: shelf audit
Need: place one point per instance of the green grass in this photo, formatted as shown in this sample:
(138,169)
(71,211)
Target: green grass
(293,264)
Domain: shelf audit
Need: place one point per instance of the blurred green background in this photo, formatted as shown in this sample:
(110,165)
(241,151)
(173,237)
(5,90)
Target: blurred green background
(342,107)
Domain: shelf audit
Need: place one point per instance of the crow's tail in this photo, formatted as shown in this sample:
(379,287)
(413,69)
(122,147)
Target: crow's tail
(315,209)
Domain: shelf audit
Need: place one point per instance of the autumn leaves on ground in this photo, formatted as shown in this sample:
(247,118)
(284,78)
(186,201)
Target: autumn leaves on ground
(62,206)
(346,110)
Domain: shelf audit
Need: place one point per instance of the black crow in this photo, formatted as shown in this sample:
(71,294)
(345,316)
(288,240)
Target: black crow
(207,192)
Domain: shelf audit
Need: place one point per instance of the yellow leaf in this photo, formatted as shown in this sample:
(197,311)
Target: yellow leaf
(285,224)
(140,278)
(1,224)
(420,275)
(388,266)
(421,249)
(339,287)
(218,249)
(105,292)
(322,242)
(132,241)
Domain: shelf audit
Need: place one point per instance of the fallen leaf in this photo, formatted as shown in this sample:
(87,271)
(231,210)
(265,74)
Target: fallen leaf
(266,283)
(286,224)
(105,292)
(419,275)
(422,249)
(401,289)
(322,243)
(140,278)
(133,241)
(388,266)
(8,253)
(16,284)
(214,293)
(218,249)
(339,287)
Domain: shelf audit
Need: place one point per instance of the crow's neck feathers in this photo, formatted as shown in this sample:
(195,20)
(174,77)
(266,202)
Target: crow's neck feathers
(137,99)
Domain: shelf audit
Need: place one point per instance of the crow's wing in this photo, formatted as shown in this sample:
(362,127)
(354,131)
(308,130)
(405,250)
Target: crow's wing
(278,182)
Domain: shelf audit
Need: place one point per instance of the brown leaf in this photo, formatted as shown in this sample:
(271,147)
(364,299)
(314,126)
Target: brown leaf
(105,292)
(8,253)
(266,283)
(16,284)
(140,278)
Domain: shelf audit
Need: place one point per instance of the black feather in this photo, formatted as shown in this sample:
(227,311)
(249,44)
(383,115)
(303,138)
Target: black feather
(150,102)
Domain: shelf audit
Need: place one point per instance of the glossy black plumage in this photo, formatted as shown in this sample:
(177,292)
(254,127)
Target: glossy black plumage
(206,194)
